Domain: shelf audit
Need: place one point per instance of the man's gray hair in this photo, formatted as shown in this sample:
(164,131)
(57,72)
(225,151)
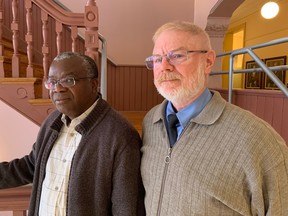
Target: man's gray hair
(183,26)
(88,62)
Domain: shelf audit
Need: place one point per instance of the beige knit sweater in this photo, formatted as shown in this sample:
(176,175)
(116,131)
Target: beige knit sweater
(227,162)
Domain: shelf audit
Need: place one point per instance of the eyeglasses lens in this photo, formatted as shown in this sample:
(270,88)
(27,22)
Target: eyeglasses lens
(65,82)
(173,57)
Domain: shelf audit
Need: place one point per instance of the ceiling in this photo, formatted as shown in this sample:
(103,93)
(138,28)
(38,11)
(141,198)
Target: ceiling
(128,26)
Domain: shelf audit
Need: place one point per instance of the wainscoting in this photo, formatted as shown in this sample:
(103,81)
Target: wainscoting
(270,105)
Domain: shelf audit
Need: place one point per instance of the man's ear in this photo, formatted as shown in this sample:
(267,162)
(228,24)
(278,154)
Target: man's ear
(210,60)
(95,84)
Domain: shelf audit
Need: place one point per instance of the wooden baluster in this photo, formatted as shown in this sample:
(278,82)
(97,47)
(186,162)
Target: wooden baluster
(15,39)
(45,49)
(2,73)
(74,35)
(91,33)
(59,29)
(28,38)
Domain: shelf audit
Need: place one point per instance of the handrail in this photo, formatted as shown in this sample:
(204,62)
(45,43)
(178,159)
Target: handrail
(103,84)
(274,68)
(267,70)
(58,13)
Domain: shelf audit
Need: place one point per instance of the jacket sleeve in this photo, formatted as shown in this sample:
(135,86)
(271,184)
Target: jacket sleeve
(128,191)
(18,171)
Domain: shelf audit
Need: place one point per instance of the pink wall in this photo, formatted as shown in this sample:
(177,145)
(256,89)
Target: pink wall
(17,133)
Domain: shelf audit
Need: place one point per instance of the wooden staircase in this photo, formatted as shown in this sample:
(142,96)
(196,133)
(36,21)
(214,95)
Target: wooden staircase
(19,88)
(23,93)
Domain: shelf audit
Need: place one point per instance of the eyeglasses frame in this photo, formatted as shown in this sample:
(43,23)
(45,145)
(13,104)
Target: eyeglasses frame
(59,81)
(166,55)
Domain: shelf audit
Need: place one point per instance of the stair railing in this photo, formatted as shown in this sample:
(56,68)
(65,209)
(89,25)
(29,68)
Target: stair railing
(49,10)
(263,67)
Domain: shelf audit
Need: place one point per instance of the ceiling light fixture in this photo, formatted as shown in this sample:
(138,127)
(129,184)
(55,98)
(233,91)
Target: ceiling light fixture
(269,10)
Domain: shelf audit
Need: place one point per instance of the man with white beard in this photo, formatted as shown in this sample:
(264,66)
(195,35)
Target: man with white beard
(214,159)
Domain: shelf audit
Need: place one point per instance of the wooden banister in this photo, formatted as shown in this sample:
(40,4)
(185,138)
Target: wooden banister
(58,13)
(53,21)
(15,200)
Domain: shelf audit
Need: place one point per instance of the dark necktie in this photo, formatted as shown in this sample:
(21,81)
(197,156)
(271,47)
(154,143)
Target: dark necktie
(172,129)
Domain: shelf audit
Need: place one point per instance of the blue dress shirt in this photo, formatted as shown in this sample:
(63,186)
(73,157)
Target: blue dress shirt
(190,111)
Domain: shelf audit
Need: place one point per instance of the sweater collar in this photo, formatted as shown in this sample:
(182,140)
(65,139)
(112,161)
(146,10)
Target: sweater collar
(89,122)
(95,116)
(209,115)
(74,122)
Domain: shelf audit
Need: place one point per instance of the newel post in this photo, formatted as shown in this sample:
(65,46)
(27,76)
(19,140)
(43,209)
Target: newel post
(91,33)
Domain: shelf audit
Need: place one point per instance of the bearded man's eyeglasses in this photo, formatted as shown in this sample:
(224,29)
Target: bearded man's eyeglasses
(174,57)
(66,82)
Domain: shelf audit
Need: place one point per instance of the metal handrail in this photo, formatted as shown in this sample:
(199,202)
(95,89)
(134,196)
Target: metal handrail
(103,83)
(263,67)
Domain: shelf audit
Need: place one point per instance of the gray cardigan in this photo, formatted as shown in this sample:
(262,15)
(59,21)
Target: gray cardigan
(226,162)
(105,171)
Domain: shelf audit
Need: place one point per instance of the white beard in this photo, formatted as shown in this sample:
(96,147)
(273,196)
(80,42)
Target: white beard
(188,90)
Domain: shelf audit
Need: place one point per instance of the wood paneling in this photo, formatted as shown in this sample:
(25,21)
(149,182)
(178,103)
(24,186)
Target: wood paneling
(131,88)
(269,105)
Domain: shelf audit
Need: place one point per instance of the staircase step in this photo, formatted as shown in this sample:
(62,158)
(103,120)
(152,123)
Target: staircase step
(19,80)
(40,101)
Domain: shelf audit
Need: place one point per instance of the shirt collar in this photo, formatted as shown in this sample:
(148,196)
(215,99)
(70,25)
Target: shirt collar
(192,110)
(80,118)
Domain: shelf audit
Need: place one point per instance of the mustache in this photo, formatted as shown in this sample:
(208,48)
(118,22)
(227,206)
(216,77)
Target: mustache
(168,76)
(60,97)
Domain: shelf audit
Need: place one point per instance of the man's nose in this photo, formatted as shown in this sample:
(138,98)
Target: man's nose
(58,87)
(165,64)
